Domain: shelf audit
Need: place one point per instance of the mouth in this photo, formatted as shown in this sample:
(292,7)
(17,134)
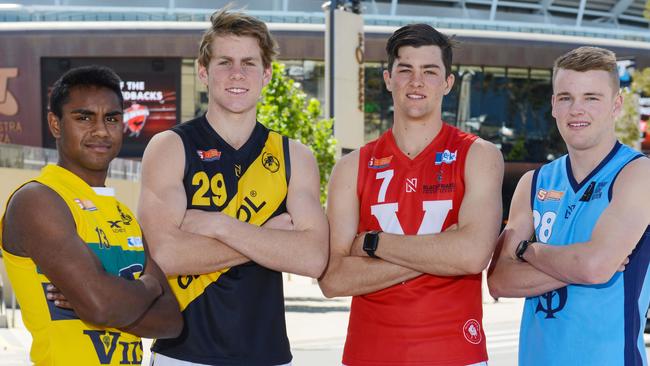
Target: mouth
(99,147)
(415,96)
(236,91)
(577,125)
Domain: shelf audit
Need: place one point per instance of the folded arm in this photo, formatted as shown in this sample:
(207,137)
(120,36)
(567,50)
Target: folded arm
(613,239)
(60,254)
(161,210)
(508,276)
(302,250)
(346,274)
(468,249)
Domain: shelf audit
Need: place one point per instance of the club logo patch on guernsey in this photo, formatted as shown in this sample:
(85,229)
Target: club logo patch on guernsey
(472,331)
(446,157)
(209,155)
(379,163)
(86,205)
(544,195)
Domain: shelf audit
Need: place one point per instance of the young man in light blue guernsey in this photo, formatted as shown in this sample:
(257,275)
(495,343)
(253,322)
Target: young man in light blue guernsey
(585,274)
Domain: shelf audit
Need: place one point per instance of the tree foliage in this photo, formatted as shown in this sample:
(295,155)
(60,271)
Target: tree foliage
(627,124)
(286,108)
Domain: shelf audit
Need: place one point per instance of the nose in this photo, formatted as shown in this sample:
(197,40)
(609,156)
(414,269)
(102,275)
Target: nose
(576,108)
(416,79)
(237,73)
(100,128)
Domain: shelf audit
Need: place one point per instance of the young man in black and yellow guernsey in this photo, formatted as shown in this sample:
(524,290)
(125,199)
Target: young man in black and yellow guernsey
(230,205)
(66,229)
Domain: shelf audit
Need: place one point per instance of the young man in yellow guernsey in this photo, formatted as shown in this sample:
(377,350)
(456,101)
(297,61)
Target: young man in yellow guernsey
(75,255)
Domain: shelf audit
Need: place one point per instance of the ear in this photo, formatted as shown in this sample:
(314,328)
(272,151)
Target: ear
(618,105)
(553,106)
(267,75)
(203,74)
(387,80)
(450,83)
(55,125)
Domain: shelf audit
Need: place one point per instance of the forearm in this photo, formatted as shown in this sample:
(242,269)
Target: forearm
(302,252)
(575,263)
(162,320)
(116,302)
(450,253)
(352,276)
(512,278)
(184,253)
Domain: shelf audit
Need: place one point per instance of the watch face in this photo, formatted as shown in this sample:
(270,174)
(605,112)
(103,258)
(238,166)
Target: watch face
(370,241)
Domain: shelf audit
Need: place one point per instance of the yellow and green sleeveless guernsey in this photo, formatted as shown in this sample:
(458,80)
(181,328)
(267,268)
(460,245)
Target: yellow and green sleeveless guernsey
(234,316)
(112,233)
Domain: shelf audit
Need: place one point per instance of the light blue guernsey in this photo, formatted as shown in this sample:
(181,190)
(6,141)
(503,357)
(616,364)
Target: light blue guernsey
(584,324)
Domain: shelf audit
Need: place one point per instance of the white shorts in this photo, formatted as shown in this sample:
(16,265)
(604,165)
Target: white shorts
(161,360)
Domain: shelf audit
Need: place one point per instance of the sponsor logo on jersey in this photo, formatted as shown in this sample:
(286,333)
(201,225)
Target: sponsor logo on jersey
(238,170)
(439,188)
(134,241)
(446,157)
(472,331)
(209,155)
(270,162)
(411,185)
(599,190)
(569,211)
(544,195)
(379,163)
(86,205)
(115,226)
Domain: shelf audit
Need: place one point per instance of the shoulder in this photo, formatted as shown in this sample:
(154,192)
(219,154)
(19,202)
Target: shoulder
(482,151)
(636,172)
(35,197)
(164,142)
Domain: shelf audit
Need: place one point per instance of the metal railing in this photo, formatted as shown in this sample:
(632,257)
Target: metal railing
(35,158)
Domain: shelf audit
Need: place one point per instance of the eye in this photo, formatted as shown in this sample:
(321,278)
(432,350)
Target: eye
(112,120)
(429,72)
(83,117)
(403,71)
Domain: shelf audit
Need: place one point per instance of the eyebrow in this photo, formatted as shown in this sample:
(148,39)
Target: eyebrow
(588,93)
(427,66)
(91,113)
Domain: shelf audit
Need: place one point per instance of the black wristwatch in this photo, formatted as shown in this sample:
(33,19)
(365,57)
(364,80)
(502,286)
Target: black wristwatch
(370,243)
(521,249)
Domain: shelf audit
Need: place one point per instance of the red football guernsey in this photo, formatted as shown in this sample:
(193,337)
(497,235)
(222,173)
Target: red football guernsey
(429,320)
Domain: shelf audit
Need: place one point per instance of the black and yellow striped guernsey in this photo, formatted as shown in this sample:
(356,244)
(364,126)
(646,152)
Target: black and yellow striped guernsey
(234,316)
(112,233)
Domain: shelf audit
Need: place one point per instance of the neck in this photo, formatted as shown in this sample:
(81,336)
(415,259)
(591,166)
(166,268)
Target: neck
(234,128)
(584,162)
(414,136)
(94,178)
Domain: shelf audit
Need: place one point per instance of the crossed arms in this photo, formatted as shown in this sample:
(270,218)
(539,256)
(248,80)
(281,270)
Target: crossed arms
(145,307)
(548,267)
(464,250)
(195,242)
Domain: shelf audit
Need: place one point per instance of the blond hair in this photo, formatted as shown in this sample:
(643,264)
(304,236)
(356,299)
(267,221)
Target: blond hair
(226,22)
(589,58)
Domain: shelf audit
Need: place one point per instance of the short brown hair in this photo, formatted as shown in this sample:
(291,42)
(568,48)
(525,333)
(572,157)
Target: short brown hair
(416,35)
(589,58)
(226,22)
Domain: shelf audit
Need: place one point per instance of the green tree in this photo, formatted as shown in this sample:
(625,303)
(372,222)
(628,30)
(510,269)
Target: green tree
(286,108)
(627,124)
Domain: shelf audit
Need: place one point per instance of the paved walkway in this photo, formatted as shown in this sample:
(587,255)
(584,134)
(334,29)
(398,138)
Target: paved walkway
(316,327)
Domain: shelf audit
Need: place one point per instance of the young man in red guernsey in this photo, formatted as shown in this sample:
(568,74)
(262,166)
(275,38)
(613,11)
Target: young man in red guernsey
(414,217)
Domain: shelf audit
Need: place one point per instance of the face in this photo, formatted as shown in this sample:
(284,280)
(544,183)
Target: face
(89,133)
(585,106)
(235,76)
(418,83)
